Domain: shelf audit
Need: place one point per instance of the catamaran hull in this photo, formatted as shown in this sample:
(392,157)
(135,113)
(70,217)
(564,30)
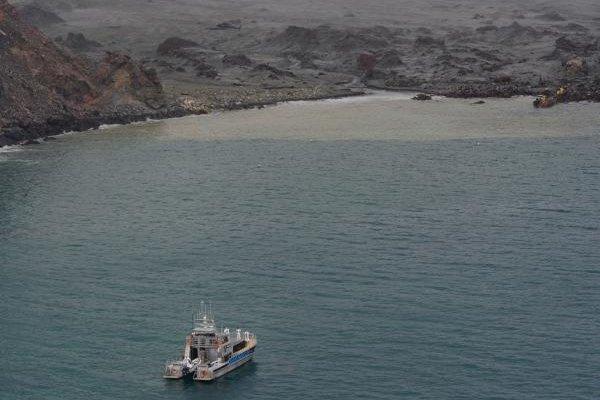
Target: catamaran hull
(208,375)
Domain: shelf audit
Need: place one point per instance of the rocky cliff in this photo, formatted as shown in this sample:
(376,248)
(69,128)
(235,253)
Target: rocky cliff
(46,89)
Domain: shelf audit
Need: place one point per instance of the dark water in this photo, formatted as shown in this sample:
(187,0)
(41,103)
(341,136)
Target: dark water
(385,269)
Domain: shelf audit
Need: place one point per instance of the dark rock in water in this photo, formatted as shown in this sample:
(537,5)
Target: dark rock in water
(231,24)
(551,16)
(236,60)
(173,44)
(422,97)
(50,139)
(35,15)
(78,42)
(476,103)
(544,101)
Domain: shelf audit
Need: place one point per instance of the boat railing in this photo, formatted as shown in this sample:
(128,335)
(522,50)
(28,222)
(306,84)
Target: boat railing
(200,341)
(171,363)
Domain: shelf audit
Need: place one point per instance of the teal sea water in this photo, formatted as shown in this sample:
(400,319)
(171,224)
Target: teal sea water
(379,248)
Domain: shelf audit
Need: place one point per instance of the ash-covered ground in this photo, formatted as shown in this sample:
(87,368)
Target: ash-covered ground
(230,51)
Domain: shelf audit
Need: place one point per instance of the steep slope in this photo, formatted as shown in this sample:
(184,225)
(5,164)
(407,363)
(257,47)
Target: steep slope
(45,89)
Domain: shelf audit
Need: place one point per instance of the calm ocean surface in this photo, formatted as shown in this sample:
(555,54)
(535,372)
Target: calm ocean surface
(379,248)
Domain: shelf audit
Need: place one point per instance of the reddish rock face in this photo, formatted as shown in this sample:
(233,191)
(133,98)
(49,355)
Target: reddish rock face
(366,63)
(41,82)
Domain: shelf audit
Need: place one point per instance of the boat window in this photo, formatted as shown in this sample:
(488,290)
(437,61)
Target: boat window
(239,346)
(193,353)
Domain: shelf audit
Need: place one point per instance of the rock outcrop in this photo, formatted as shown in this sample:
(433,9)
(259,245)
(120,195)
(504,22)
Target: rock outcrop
(45,89)
(78,42)
(39,16)
(173,45)
(236,60)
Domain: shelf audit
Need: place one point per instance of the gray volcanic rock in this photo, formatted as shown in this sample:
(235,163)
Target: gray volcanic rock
(551,16)
(297,38)
(39,16)
(236,60)
(231,24)
(172,45)
(422,97)
(428,42)
(274,73)
(203,69)
(78,42)
(390,58)
(578,45)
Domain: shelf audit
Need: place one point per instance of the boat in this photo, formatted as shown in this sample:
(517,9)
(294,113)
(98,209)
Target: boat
(210,353)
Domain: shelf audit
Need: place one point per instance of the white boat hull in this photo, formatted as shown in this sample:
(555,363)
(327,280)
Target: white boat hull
(210,374)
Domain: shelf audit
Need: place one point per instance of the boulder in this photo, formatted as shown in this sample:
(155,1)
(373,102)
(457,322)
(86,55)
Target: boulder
(422,97)
(78,42)
(576,66)
(236,60)
(203,69)
(544,101)
(174,44)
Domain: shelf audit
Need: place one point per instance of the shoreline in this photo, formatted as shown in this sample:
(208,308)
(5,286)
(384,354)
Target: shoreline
(18,136)
(36,133)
